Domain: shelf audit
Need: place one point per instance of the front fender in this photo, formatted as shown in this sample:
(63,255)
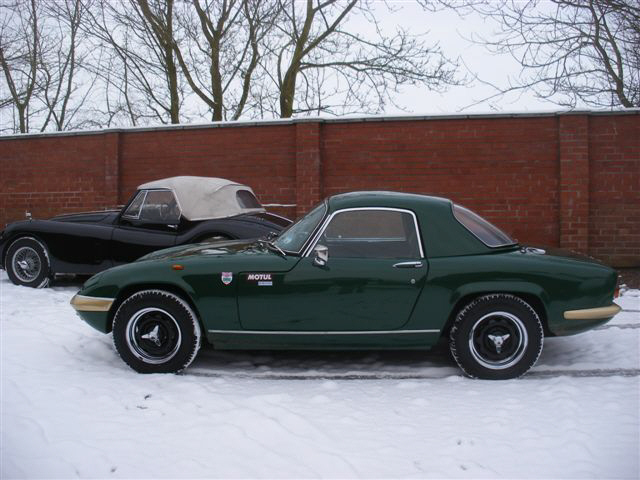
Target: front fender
(199,281)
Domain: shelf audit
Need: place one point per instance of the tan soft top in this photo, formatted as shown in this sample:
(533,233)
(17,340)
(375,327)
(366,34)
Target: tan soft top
(202,198)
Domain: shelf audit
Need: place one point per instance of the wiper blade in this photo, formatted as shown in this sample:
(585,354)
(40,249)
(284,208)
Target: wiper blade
(272,246)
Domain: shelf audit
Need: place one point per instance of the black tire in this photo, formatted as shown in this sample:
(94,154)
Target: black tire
(496,337)
(27,263)
(155,331)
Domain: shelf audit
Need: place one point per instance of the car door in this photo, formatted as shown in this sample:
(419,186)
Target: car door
(370,282)
(147,224)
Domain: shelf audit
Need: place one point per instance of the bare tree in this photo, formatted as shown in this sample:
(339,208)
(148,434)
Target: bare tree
(75,63)
(136,59)
(220,50)
(59,61)
(571,51)
(316,57)
(41,59)
(20,33)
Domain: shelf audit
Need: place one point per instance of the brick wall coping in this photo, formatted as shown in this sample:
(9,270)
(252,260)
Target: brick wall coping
(344,119)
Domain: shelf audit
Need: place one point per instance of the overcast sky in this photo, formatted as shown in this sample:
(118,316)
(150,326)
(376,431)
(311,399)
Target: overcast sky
(452,32)
(448,29)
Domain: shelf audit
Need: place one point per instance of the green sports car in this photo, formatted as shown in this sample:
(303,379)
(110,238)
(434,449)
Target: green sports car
(362,270)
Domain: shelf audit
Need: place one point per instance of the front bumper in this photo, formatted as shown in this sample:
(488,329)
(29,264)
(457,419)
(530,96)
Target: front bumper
(83,303)
(599,313)
(94,311)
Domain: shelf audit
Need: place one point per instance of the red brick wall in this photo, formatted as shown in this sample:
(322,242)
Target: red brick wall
(57,174)
(505,169)
(614,189)
(261,157)
(570,180)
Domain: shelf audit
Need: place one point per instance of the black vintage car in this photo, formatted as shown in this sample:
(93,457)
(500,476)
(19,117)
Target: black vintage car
(164,213)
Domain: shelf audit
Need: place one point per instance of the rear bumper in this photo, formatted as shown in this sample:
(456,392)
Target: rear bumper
(599,313)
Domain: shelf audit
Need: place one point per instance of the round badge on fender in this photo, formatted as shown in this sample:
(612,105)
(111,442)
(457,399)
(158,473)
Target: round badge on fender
(227,277)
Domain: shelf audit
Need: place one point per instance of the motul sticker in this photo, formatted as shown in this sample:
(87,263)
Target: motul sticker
(256,277)
(227,277)
(263,279)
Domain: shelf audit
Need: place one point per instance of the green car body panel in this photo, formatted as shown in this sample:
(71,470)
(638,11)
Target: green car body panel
(274,301)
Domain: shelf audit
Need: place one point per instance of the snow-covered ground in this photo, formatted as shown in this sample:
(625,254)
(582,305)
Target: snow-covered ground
(71,408)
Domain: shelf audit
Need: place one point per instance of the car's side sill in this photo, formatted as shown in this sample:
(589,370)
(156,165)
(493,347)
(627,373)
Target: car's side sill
(289,332)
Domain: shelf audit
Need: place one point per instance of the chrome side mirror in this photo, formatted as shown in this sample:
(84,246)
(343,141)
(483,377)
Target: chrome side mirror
(320,255)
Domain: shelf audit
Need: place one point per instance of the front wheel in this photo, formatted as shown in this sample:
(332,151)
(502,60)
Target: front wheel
(155,331)
(496,337)
(27,263)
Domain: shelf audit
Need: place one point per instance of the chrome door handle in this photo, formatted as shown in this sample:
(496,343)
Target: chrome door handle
(408,265)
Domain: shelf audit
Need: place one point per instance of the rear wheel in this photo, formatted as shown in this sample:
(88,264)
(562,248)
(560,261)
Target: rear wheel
(496,337)
(27,263)
(155,331)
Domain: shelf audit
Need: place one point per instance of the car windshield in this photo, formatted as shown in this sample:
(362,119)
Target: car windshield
(292,239)
(489,234)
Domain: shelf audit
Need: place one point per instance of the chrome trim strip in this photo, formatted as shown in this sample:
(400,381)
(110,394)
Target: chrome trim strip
(592,313)
(289,332)
(307,251)
(91,304)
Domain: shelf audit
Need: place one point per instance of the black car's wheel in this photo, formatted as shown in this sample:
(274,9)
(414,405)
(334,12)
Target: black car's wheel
(155,331)
(27,263)
(496,337)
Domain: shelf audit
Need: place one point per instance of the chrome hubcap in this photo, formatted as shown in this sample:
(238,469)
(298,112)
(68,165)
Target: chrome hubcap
(26,264)
(498,340)
(153,335)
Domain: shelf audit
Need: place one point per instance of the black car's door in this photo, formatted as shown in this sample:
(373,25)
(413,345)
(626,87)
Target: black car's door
(147,224)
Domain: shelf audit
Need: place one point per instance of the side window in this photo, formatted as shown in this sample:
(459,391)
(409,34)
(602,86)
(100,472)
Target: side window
(160,206)
(154,206)
(371,234)
(134,208)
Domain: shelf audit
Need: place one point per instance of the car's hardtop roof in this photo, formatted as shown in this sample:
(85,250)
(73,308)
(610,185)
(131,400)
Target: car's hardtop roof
(386,199)
(442,234)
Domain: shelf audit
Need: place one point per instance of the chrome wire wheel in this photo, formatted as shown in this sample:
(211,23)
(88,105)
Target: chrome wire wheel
(153,335)
(26,264)
(498,340)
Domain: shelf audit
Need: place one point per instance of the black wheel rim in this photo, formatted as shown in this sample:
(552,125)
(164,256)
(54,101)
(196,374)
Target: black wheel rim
(153,335)
(498,340)
(26,264)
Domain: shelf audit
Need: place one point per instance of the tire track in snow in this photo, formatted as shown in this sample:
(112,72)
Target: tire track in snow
(622,326)
(595,373)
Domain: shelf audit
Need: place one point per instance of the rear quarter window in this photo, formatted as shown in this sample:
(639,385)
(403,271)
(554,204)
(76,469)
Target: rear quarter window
(246,199)
(486,232)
